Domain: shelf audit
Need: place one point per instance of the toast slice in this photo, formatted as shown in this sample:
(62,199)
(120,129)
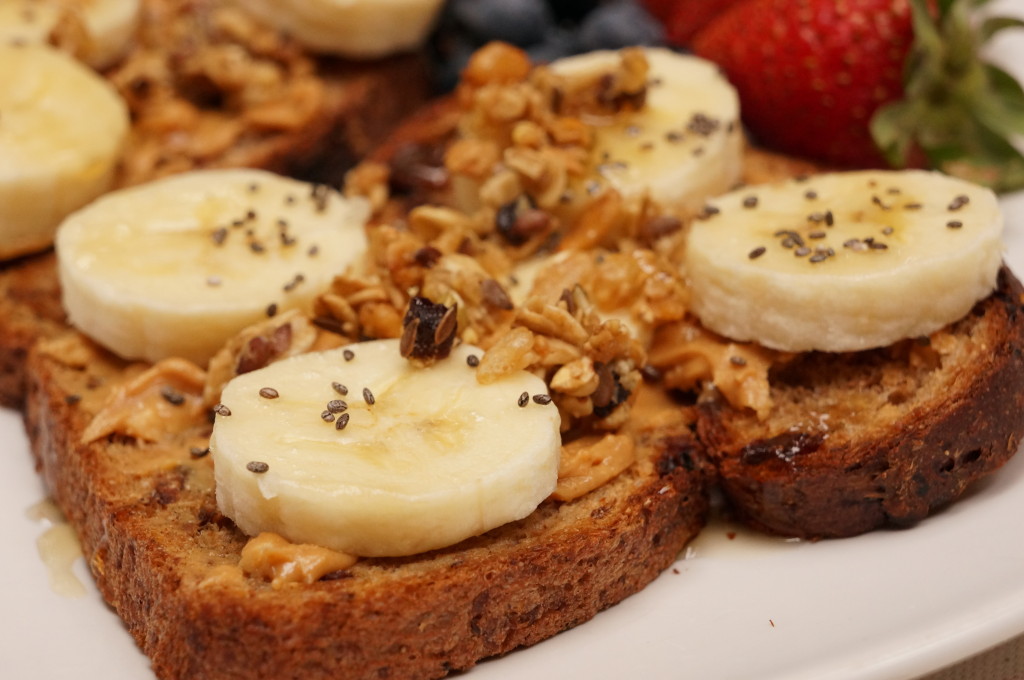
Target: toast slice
(878,438)
(163,557)
(190,111)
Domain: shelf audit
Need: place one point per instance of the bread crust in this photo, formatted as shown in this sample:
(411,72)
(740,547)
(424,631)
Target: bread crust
(792,478)
(30,308)
(150,532)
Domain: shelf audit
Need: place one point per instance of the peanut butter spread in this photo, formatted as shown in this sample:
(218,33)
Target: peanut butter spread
(690,356)
(589,462)
(165,398)
(272,558)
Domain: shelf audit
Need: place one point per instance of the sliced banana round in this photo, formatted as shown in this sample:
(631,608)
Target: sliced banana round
(97,31)
(682,146)
(358,450)
(62,128)
(845,261)
(357,29)
(178,266)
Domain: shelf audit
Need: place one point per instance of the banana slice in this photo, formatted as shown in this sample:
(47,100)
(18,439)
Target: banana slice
(98,31)
(844,262)
(426,457)
(61,132)
(682,146)
(357,29)
(178,266)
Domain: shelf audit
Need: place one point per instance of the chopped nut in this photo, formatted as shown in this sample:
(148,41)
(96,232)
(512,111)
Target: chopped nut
(577,378)
(513,352)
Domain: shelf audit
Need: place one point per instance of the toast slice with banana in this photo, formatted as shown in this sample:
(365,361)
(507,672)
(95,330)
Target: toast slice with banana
(168,561)
(856,441)
(884,333)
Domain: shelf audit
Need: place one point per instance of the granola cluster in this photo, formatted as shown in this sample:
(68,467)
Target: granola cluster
(204,82)
(545,268)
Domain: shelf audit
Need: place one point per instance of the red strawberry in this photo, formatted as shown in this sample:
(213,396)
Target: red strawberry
(869,82)
(683,18)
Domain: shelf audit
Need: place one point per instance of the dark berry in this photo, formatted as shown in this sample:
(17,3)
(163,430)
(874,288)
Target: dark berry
(619,24)
(557,43)
(520,22)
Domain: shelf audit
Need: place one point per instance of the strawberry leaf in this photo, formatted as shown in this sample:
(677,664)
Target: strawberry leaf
(993,25)
(1003,113)
(892,128)
(957,110)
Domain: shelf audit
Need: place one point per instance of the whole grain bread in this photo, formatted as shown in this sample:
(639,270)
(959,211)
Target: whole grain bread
(884,437)
(192,108)
(158,548)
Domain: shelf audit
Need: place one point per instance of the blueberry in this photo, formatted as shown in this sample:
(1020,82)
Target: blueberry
(571,11)
(452,56)
(557,43)
(520,22)
(618,24)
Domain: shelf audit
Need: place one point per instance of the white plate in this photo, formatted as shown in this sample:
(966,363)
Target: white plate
(892,604)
